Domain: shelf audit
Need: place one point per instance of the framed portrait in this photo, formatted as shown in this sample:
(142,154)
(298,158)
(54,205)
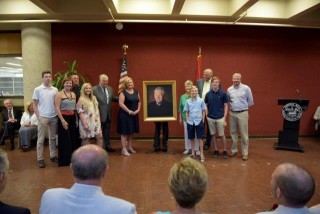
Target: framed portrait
(159,100)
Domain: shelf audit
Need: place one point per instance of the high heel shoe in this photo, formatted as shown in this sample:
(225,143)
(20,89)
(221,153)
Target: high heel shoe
(125,152)
(131,150)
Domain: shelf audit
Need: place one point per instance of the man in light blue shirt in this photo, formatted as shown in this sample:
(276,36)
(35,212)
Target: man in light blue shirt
(240,99)
(292,187)
(89,165)
(195,109)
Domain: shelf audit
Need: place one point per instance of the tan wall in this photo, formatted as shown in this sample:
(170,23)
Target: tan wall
(10,43)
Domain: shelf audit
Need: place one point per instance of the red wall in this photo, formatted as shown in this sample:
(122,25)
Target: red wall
(273,61)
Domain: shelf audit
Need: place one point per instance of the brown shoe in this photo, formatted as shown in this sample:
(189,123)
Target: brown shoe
(232,154)
(245,157)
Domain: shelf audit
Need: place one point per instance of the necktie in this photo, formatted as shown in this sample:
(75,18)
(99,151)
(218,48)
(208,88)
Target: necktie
(10,114)
(106,94)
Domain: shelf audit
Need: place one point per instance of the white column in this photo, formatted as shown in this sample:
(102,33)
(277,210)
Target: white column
(36,54)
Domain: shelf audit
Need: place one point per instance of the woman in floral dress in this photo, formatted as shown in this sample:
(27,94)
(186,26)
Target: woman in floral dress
(87,107)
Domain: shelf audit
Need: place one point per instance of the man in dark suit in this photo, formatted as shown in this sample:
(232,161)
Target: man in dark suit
(76,88)
(4,167)
(204,86)
(105,97)
(160,108)
(11,122)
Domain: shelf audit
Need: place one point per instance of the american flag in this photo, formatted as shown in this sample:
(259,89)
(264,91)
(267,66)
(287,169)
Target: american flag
(123,73)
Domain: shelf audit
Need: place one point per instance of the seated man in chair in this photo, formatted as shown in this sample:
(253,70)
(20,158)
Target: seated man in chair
(11,122)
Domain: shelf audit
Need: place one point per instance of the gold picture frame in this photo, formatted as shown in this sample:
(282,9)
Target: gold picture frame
(159,100)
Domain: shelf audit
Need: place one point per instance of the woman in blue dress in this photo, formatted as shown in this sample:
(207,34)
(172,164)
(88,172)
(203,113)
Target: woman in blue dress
(128,118)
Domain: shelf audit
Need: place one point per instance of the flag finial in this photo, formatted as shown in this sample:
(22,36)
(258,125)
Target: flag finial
(200,50)
(124,48)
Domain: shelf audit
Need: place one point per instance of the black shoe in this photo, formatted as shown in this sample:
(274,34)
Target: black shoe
(225,154)
(215,153)
(25,148)
(41,164)
(156,149)
(12,148)
(109,149)
(54,159)
(206,147)
(164,149)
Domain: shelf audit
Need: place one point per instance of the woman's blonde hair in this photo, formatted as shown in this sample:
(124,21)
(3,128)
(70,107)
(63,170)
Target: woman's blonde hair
(188,82)
(125,82)
(26,106)
(88,100)
(188,180)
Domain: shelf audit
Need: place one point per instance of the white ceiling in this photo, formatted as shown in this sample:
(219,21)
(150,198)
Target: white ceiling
(294,13)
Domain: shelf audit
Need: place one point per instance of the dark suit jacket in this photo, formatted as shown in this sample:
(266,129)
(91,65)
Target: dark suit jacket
(9,209)
(165,109)
(200,84)
(104,106)
(17,115)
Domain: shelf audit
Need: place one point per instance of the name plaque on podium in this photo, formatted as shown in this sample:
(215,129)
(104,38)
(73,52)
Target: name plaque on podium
(292,112)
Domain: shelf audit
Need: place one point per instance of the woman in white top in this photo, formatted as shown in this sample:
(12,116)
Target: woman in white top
(29,127)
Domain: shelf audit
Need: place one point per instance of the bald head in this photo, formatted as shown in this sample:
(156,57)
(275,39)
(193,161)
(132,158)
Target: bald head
(89,162)
(207,74)
(292,185)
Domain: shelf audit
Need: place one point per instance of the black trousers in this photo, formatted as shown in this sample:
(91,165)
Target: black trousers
(105,126)
(157,132)
(9,132)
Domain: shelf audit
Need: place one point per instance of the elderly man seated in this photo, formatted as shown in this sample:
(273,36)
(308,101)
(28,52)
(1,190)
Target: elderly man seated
(11,122)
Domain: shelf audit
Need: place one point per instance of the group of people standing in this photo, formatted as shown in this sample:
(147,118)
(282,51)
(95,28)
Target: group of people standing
(83,114)
(206,104)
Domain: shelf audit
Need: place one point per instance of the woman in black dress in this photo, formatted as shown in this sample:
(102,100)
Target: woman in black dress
(65,103)
(128,118)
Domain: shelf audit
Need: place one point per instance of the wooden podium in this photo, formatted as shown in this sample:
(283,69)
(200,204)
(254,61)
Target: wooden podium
(292,111)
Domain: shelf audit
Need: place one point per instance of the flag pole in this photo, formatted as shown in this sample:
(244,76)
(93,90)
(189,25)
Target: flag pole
(200,50)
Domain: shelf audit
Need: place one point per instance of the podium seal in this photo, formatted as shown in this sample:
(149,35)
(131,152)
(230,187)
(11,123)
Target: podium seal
(292,112)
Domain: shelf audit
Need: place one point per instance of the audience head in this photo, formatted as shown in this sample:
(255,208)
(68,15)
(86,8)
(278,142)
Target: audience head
(127,83)
(236,79)
(188,181)
(89,163)
(187,85)
(7,103)
(158,94)
(103,80)
(291,185)
(4,167)
(207,74)
(28,107)
(75,79)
